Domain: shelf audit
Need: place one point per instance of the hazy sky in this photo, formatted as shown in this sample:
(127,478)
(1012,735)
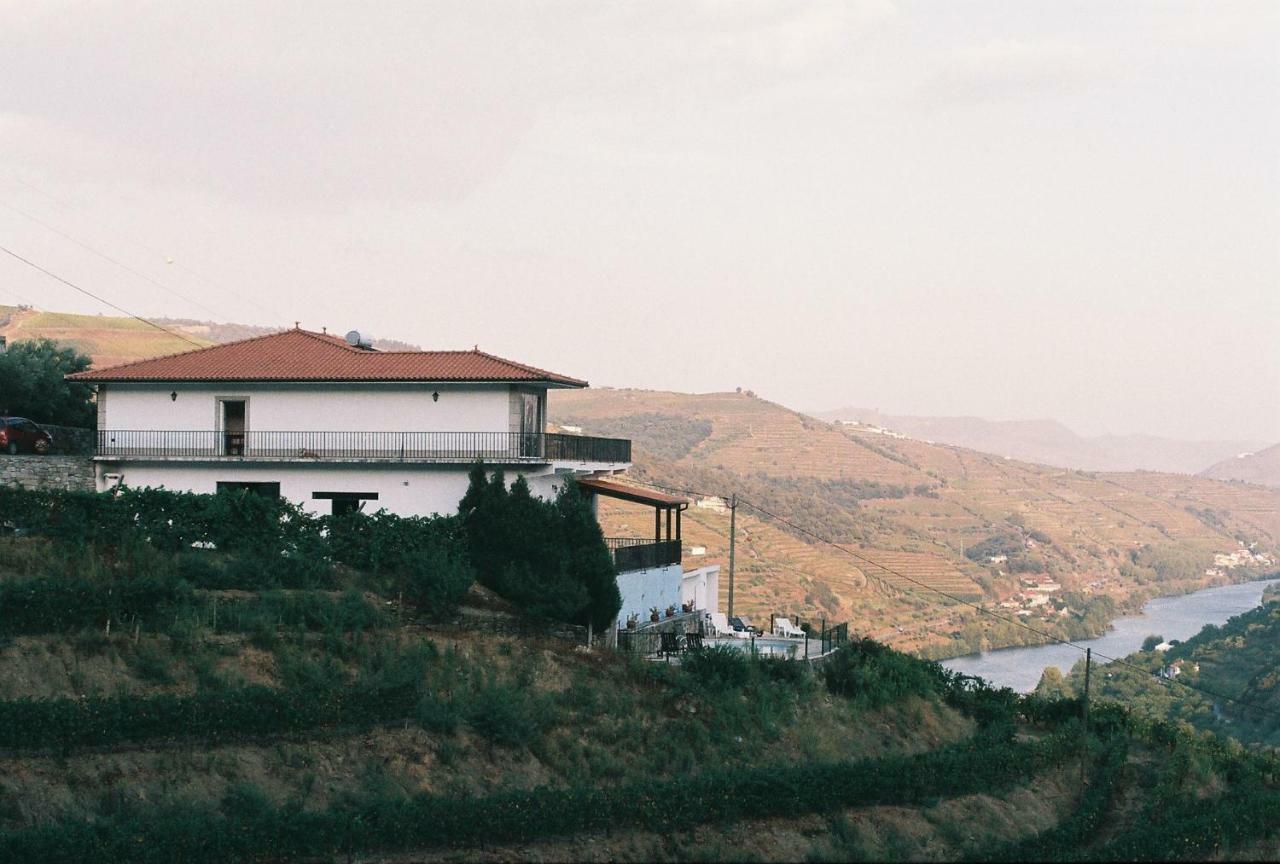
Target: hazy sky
(1009,209)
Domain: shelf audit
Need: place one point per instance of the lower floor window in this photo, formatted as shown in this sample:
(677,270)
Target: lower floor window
(346,502)
(266,490)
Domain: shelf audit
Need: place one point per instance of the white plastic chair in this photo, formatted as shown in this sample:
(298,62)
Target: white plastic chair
(720,621)
(783,627)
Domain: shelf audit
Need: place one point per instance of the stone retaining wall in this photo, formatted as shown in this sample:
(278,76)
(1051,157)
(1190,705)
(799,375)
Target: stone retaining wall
(47,472)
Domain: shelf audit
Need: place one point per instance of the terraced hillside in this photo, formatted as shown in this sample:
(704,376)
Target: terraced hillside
(113,339)
(912,512)
(107,339)
(326,718)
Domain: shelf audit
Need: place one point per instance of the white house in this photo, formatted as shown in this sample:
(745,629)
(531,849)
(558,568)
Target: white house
(333,424)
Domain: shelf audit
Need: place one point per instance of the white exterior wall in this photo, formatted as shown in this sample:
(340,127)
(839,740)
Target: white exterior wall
(643,589)
(406,490)
(310,407)
(701,587)
(668,586)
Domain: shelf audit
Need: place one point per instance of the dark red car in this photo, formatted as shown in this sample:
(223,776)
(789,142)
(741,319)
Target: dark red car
(18,434)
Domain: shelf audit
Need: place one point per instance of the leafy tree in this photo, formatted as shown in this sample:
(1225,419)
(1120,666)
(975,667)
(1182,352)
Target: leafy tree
(1008,543)
(1052,685)
(32,384)
(548,557)
(1150,643)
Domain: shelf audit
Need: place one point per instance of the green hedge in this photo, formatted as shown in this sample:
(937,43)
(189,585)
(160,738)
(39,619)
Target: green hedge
(61,604)
(1065,840)
(232,521)
(261,542)
(1196,829)
(250,829)
(213,717)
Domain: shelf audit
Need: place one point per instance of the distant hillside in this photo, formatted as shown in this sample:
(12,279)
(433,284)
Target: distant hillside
(113,339)
(107,339)
(1262,468)
(1239,660)
(968,523)
(1049,442)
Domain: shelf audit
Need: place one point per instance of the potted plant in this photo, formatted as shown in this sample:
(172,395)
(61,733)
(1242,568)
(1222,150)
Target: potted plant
(632,622)
(653,614)
(671,611)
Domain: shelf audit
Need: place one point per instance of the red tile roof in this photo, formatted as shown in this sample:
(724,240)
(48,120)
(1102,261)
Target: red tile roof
(303,355)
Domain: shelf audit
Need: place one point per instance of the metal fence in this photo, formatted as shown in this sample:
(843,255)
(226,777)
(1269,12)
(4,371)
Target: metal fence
(384,446)
(834,637)
(660,643)
(634,553)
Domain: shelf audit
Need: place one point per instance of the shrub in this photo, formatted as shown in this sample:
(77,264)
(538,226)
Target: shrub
(720,667)
(509,716)
(873,675)
(438,715)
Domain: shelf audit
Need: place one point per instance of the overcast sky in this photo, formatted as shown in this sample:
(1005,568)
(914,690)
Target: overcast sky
(1011,210)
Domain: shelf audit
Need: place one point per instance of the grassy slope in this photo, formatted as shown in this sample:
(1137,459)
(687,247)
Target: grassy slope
(565,720)
(932,502)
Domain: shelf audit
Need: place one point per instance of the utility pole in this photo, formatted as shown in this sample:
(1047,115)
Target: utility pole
(1088,662)
(733,536)
(1084,710)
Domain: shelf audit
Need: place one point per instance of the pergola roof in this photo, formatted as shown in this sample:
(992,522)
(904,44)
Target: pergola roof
(634,494)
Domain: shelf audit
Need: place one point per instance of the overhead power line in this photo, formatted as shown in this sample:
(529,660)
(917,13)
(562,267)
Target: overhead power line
(105,257)
(151,249)
(101,300)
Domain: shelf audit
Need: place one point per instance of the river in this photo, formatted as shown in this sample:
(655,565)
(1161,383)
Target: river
(1171,617)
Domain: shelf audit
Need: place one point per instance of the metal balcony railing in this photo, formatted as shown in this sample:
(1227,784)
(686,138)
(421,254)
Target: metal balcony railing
(634,553)
(382,446)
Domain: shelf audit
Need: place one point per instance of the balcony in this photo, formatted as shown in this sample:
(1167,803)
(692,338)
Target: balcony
(441,447)
(639,553)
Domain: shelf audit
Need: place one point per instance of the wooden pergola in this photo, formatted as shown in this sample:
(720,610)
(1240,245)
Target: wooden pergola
(659,501)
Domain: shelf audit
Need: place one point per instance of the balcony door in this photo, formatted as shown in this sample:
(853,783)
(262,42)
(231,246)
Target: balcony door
(234,422)
(531,424)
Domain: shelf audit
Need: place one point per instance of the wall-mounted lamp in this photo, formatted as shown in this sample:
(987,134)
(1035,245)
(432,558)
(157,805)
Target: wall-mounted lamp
(435,397)
(173,397)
